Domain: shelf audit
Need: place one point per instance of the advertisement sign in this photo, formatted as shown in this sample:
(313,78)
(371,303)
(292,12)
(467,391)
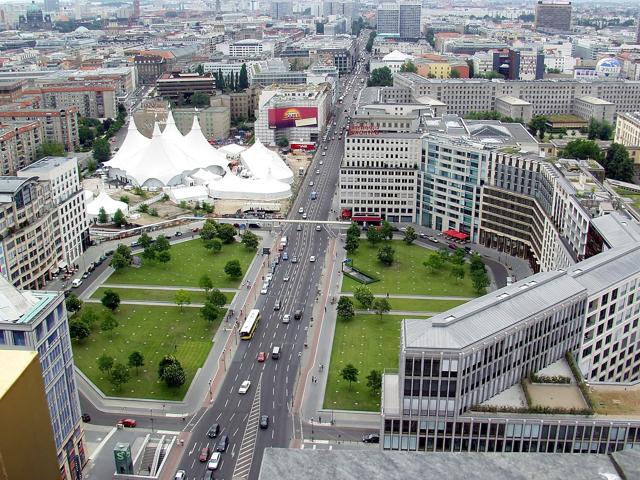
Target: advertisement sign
(303,146)
(364,129)
(293,117)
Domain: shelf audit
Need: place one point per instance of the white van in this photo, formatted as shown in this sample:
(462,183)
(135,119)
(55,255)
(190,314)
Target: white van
(76,283)
(275,354)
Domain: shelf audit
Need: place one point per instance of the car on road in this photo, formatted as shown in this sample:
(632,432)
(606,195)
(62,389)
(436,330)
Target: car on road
(285,256)
(261,357)
(178,234)
(128,422)
(76,283)
(304,216)
(371,438)
(317,171)
(321,162)
(294,259)
(86,418)
(208,475)
(453,246)
(214,461)
(311,183)
(85,275)
(264,422)
(312,258)
(299,228)
(180,475)
(324,154)
(204,454)
(297,315)
(286,318)
(285,278)
(301,210)
(318,228)
(222,444)
(213,431)
(264,290)
(422,235)
(433,239)
(244,387)
(276,306)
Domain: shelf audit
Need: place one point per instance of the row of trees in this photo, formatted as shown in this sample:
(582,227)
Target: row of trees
(369,46)
(155,250)
(170,370)
(118,218)
(232,82)
(454,263)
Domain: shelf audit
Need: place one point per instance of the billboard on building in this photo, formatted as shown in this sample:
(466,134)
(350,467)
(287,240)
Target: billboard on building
(293,117)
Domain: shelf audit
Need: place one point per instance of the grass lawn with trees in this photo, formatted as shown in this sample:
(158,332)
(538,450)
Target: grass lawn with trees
(407,274)
(154,332)
(189,260)
(153,295)
(368,343)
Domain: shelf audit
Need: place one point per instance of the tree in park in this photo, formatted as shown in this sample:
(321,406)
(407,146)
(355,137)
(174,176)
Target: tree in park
(364,296)
(50,149)
(118,261)
(205,283)
(374,381)
(102,216)
(233,269)
(209,230)
(601,130)
(145,241)
(163,256)
(89,317)
(78,329)
(374,236)
(101,150)
(351,244)
(380,77)
(410,235)
(182,298)
(105,363)
(125,251)
(345,309)
(73,303)
(119,218)
(381,306)
(110,300)
(164,363)
(386,230)
(119,375)
(458,272)
(617,163)
(354,229)
(109,323)
(174,375)
(434,262)
(149,253)
(226,233)
(250,240)
(136,360)
(217,297)
(161,244)
(214,245)
(349,374)
(480,281)
(210,312)
(386,255)
(458,256)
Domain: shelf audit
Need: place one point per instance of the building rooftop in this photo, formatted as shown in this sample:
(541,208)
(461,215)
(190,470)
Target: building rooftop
(513,100)
(13,362)
(372,464)
(47,163)
(10,185)
(594,100)
(617,229)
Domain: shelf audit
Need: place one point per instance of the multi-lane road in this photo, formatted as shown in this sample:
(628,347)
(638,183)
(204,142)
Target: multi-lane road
(273,381)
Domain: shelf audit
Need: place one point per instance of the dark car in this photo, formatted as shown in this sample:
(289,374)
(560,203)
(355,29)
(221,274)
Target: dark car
(86,418)
(222,444)
(371,438)
(213,431)
(264,421)
(297,315)
(208,475)
(108,253)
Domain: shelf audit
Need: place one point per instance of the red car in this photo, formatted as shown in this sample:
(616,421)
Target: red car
(262,356)
(128,422)
(204,454)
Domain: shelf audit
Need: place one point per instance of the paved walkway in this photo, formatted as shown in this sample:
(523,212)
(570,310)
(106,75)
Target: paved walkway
(152,303)
(407,313)
(415,297)
(161,287)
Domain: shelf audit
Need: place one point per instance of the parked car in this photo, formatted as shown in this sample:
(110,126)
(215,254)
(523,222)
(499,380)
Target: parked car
(86,418)
(371,438)
(264,422)
(76,283)
(85,275)
(261,357)
(208,475)
(214,462)
(213,431)
(180,475)
(222,444)
(433,239)
(299,228)
(204,454)
(128,422)
(453,246)
(244,387)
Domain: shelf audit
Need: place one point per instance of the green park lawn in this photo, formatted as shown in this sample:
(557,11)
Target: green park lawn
(421,305)
(368,343)
(154,332)
(154,295)
(407,274)
(189,260)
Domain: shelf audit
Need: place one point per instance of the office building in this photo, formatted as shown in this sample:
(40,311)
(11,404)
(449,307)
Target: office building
(181,86)
(276,71)
(400,20)
(59,126)
(347,9)
(150,67)
(638,31)
(553,17)
(67,196)
(280,9)
(37,321)
(297,113)
(18,145)
(340,51)
(96,100)
(393,61)
(628,133)
(519,64)
(25,414)
(455,366)
(249,48)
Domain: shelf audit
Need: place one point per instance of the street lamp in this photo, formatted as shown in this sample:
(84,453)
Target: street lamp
(151,410)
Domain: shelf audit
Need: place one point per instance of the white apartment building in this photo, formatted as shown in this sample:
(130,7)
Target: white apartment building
(393,61)
(249,48)
(227,68)
(482,63)
(18,145)
(628,129)
(67,195)
(528,64)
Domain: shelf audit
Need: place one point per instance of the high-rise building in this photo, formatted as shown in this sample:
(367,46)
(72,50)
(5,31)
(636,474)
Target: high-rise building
(399,20)
(24,413)
(638,31)
(280,9)
(553,16)
(37,320)
(51,6)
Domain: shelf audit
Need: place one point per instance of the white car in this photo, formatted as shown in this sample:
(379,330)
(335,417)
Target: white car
(324,154)
(433,239)
(301,210)
(265,290)
(321,162)
(317,171)
(304,216)
(244,387)
(311,183)
(214,462)
(318,228)
(286,278)
(312,258)
(286,318)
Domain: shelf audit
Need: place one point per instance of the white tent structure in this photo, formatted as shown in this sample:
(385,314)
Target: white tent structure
(110,205)
(238,188)
(262,163)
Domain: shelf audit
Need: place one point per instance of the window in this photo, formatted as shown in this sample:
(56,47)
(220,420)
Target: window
(19,339)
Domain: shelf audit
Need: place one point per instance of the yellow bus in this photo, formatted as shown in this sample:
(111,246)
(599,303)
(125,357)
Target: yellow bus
(250,324)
